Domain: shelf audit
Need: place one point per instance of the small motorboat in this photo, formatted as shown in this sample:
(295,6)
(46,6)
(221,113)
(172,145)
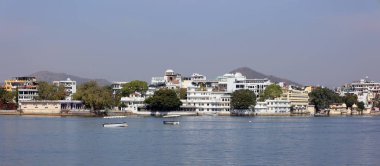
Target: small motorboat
(171,122)
(124,124)
(114,117)
(320,115)
(171,116)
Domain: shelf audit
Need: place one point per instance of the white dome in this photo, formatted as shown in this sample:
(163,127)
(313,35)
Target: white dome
(169,71)
(238,74)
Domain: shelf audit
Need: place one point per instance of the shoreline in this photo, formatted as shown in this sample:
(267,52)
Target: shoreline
(158,114)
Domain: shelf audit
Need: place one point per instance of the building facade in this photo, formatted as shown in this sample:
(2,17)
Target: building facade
(365,89)
(133,103)
(117,86)
(273,107)
(50,106)
(206,99)
(299,99)
(26,87)
(233,82)
(70,87)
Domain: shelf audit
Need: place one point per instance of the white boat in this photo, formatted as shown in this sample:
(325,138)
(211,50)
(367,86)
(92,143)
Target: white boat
(124,124)
(171,116)
(171,122)
(114,117)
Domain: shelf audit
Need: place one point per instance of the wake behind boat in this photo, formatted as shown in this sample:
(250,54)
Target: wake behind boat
(124,124)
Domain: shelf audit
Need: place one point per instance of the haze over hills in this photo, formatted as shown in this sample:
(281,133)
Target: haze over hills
(252,74)
(51,76)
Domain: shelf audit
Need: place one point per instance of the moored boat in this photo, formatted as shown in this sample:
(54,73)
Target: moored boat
(124,124)
(114,117)
(321,115)
(171,116)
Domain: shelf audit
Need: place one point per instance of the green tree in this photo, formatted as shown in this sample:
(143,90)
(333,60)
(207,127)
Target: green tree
(134,86)
(163,100)
(48,91)
(243,99)
(271,92)
(322,98)
(7,97)
(183,93)
(376,101)
(94,96)
(350,100)
(361,106)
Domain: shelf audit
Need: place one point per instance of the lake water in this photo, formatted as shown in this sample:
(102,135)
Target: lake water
(203,140)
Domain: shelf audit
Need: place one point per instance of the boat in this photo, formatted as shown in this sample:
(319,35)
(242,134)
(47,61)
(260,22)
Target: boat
(171,116)
(321,115)
(114,117)
(171,122)
(124,124)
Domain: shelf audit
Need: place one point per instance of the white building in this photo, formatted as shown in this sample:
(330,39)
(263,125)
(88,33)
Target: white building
(186,81)
(233,82)
(27,93)
(133,102)
(117,86)
(365,89)
(273,107)
(70,87)
(204,97)
(170,80)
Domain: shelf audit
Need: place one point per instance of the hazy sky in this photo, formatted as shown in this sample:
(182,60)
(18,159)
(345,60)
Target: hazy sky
(326,42)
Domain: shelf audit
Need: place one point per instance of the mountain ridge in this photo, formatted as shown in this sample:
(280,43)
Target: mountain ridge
(49,76)
(252,74)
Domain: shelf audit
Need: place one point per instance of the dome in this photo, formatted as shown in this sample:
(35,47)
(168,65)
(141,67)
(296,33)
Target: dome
(238,75)
(169,71)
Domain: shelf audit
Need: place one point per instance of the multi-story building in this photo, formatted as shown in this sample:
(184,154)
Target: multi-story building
(365,89)
(186,81)
(12,84)
(233,82)
(70,87)
(273,107)
(204,97)
(25,86)
(299,99)
(133,102)
(170,80)
(117,86)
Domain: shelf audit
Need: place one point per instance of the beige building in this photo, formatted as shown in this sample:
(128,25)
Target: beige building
(299,99)
(50,107)
(40,107)
(339,109)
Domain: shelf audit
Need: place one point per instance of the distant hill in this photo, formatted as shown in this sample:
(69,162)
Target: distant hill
(252,74)
(51,76)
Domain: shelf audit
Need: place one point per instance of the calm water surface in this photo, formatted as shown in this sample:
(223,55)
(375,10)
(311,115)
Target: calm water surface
(196,141)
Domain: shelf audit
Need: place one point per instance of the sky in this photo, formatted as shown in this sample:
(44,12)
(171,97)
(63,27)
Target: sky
(313,42)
